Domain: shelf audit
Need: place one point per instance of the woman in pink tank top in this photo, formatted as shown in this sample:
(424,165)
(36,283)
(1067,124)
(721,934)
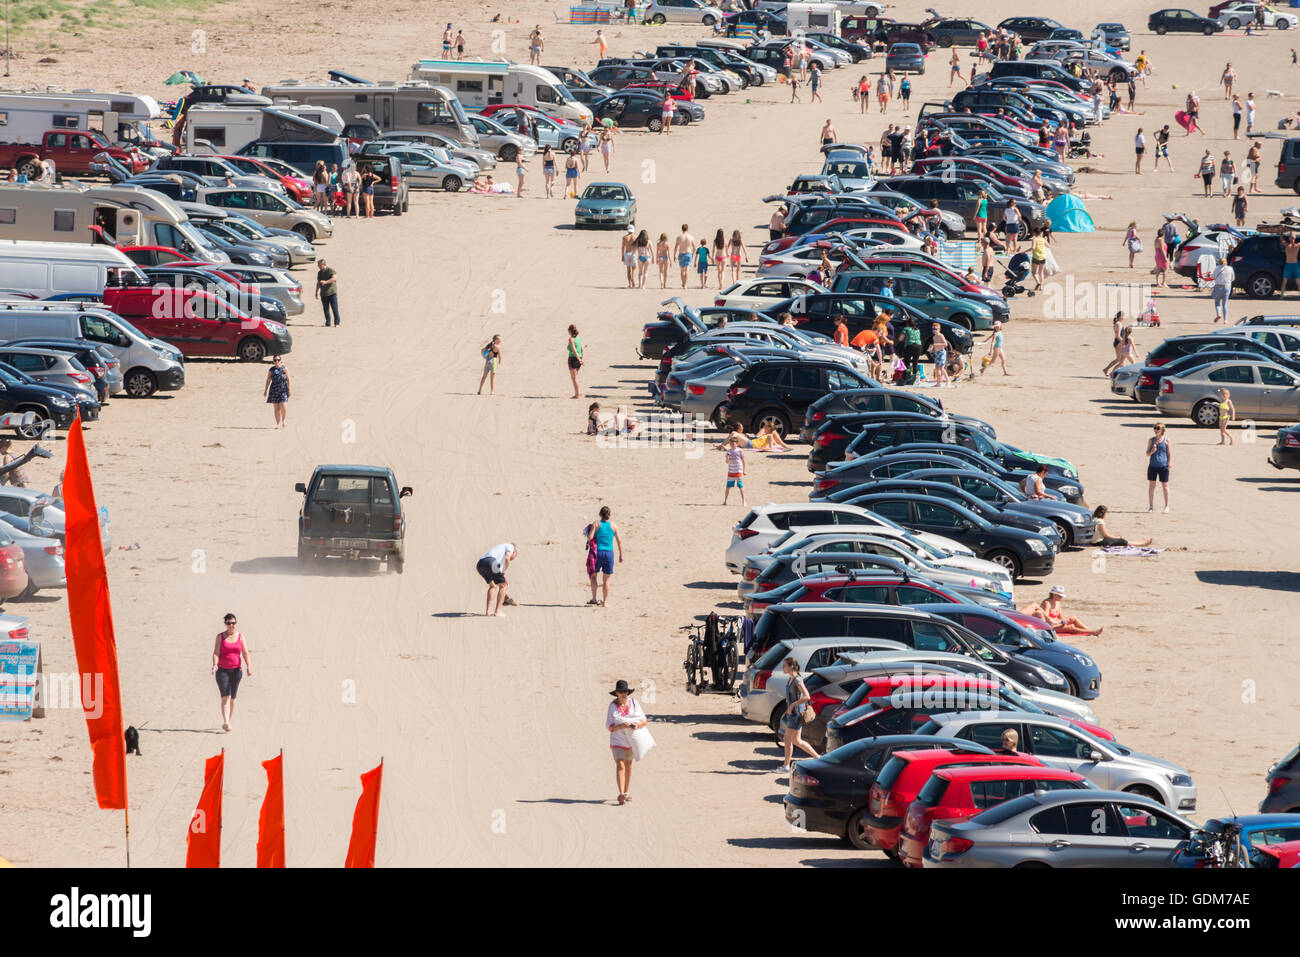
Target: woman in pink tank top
(228,652)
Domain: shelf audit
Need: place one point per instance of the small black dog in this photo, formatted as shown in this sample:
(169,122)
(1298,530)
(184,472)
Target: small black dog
(132,740)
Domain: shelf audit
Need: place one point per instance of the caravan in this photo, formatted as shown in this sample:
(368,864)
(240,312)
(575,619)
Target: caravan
(226,129)
(480,83)
(813,18)
(25,115)
(391,106)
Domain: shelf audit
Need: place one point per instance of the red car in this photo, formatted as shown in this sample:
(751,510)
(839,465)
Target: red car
(882,589)
(13,570)
(675,90)
(960,793)
(155,255)
(299,189)
(901,780)
(495,108)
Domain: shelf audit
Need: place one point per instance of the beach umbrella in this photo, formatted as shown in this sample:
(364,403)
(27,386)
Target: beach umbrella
(183,76)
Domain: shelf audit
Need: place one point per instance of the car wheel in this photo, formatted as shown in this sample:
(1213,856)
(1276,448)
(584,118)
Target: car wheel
(395,209)
(1007,560)
(1261,286)
(1071,687)
(945,41)
(1067,534)
(251,350)
(406,204)
(658,18)
(38,429)
(963,320)
(758,80)
(508,153)
(774,720)
(306,231)
(1161,29)
(855,831)
(1119,75)
(305,555)
(569,144)
(1032,864)
(1234,24)
(1143,791)
(140,383)
(1283,25)
(396,564)
(654,124)
(451,184)
(774,417)
(709,20)
(682,119)
(1208,30)
(1206,414)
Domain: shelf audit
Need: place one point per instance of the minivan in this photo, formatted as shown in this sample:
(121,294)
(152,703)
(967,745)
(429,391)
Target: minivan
(50,269)
(148,365)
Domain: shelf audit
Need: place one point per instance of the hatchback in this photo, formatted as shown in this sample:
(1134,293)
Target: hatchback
(778,393)
(53,367)
(905,58)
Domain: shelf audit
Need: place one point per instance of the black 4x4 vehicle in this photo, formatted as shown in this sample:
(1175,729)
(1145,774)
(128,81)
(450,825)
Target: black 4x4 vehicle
(352,511)
(779,392)
(392,192)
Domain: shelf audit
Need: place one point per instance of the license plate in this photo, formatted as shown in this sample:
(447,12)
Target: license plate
(350,543)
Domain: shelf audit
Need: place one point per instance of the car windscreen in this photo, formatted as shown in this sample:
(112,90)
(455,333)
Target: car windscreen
(615,193)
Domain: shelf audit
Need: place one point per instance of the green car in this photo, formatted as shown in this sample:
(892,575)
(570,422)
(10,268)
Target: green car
(605,204)
(935,299)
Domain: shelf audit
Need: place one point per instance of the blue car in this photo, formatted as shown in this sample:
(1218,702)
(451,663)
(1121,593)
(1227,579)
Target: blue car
(1231,841)
(605,204)
(1015,633)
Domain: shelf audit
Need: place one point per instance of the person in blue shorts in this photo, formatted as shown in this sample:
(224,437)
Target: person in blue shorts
(604,534)
(702,262)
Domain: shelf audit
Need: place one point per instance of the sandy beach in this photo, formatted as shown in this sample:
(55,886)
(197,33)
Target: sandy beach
(491,730)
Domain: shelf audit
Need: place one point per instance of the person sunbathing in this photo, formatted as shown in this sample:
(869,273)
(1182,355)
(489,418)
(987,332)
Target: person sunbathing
(1105,538)
(768,440)
(1050,611)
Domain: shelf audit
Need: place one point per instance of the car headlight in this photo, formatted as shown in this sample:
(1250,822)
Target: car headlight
(275,328)
(59,402)
(1070,490)
(1038,547)
(1049,677)
(1070,473)
(1180,780)
(1083,660)
(260,258)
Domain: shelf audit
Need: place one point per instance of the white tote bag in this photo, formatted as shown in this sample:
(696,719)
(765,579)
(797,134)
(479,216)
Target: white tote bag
(1049,263)
(642,742)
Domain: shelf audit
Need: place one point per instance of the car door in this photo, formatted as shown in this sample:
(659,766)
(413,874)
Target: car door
(1279,396)
(1082,834)
(940,518)
(1152,836)
(990,733)
(1247,392)
(1066,749)
(807,385)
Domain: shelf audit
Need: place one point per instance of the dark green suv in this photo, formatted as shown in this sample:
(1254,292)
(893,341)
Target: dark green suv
(352,511)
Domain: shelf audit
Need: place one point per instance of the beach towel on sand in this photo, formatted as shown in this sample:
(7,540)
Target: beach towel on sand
(1145,551)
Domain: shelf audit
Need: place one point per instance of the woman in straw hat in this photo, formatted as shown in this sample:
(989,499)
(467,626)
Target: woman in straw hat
(622,718)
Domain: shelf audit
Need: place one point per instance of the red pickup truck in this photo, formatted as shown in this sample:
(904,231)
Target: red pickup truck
(71,151)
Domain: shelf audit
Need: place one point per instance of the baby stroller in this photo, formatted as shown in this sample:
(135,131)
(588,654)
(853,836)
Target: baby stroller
(1080,146)
(1016,270)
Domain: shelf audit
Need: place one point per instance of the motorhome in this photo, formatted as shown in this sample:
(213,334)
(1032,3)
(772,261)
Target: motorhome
(53,269)
(813,17)
(113,215)
(392,106)
(226,129)
(480,83)
(26,115)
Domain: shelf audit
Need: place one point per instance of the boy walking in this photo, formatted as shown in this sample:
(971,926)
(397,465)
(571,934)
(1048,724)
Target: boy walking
(735,467)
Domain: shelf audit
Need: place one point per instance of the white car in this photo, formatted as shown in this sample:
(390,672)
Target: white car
(760,292)
(762,690)
(798,261)
(906,547)
(682,11)
(1239,14)
(1124,379)
(764,524)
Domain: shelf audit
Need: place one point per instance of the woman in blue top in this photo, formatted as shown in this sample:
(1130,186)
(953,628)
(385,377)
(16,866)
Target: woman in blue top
(605,534)
(1158,467)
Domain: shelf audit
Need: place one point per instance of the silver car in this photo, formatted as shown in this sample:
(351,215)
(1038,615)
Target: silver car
(1060,744)
(51,366)
(270,209)
(1259,390)
(507,143)
(682,11)
(40,514)
(1066,828)
(300,250)
(95,357)
(42,556)
(429,167)
(481,158)
(1124,379)
(275,283)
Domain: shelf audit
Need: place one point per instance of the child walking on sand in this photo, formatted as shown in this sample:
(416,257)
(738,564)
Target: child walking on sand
(1227,413)
(735,467)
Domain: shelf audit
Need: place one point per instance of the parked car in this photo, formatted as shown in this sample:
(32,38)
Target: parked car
(270,210)
(21,393)
(1068,828)
(905,58)
(1112,33)
(962,31)
(887,435)
(909,456)
(1030,28)
(238,248)
(271,283)
(1180,20)
(352,511)
(508,144)
(1060,743)
(760,292)
(96,358)
(42,559)
(37,513)
(299,249)
(53,367)
(423,167)
(1260,391)
(778,393)
(1283,781)
(682,11)
(1237,15)
(1285,453)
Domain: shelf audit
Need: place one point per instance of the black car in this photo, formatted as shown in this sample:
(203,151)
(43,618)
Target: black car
(1178,20)
(618,75)
(635,110)
(829,795)
(816,312)
(1030,28)
(778,392)
(902,713)
(722,59)
(669,328)
(1257,265)
(1180,346)
(997,511)
(19,392)
(833,436)
(1046,70)
(575,79)
(1027,110)
(1285,453)
(957,32)
(858,51)
(889,435)
(909,456)
(83,350)
(353,512)
(853,401)
(809,217)
(1021,552)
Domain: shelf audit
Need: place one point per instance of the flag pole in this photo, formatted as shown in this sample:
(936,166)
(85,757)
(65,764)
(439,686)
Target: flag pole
(126,820)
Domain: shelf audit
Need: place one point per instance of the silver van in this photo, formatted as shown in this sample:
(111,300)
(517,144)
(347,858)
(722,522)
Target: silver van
(148,365)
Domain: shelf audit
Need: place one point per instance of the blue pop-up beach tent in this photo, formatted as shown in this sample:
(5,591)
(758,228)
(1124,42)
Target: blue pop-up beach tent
(1067,214)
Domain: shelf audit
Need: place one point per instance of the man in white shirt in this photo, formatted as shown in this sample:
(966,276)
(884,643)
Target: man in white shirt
(492,567)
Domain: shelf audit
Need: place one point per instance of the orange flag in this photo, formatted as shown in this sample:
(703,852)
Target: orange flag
(365,820)
(92,626)
(203,843)
(270,824)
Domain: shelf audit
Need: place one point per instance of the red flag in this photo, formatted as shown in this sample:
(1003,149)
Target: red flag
(92,626)
(365,820)
(270,824)
(203,842)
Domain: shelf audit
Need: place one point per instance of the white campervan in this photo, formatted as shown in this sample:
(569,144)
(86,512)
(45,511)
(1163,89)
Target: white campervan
(228,129)
(148,365)
(54,269)
(813,18)
(480,83)
(25,116)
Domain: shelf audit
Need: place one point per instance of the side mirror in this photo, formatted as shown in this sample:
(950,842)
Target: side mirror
(406,490)
(967,524)
(1095,755)
(301,487)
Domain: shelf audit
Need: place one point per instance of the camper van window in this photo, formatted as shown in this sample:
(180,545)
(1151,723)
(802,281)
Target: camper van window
(4,119)
(124,107)
(546,94)
(469,86)
(64,220)
(431,114)
(216,135)
(63,121)
(361,98)
(8,216)
(165,234)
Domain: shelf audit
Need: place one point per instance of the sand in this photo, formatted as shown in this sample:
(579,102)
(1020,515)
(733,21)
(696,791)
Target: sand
(491,730)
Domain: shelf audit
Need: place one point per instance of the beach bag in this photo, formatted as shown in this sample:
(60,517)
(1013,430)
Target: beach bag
(642,742)
(1049,263)
(1135,244)
(807,714)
